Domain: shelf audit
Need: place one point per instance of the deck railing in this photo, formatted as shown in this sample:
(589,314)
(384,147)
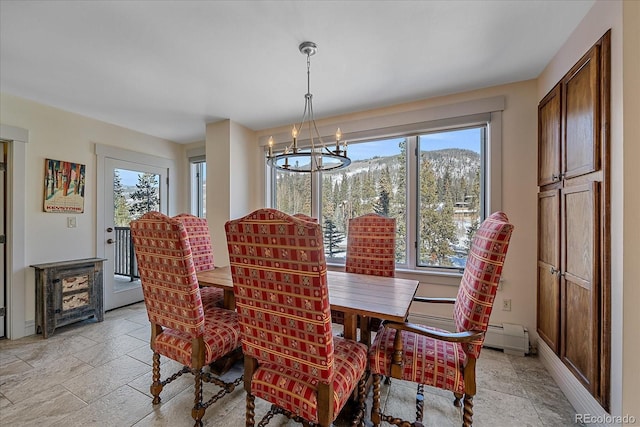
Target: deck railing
(124,258)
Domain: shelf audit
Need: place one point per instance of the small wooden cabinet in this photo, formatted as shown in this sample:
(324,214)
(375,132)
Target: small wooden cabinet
(66,292)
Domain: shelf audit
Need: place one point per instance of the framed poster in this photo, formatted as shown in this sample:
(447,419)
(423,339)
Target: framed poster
(63,186)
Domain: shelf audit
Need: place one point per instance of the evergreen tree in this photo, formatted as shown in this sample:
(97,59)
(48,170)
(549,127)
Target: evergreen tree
(399,204)
(474,207)
(379,184)
(146,198)
(382,205)
(328,201)
(368,194)
(332,238)
(437,229)
(120,208)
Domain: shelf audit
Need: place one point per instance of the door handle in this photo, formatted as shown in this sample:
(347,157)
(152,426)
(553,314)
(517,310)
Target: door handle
(109,230)
(110,241)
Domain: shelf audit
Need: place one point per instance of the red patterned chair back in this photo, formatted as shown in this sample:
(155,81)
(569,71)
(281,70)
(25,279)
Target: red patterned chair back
(371,245)
(305,217)
(167,273)
(199,239)
(479,283)
(280,286)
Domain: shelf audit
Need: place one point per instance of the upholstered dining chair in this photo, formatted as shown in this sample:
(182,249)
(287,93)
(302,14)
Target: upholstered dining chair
(371,249)
(292,360)
(436,357)
(180,328)
(305,217)
(202,252)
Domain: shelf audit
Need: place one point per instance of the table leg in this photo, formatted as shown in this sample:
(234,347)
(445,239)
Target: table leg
(229,300)
(351,326)
(365,333)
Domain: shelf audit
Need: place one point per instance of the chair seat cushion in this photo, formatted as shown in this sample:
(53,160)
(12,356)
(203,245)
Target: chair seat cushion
(425,360)
(221,335)
(211,297)
(296,392)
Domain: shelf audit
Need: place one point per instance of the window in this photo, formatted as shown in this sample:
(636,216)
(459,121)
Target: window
(450,195)
(198,177)
(436,178)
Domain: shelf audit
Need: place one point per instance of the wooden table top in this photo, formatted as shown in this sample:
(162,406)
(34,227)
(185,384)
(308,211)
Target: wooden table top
(386,298)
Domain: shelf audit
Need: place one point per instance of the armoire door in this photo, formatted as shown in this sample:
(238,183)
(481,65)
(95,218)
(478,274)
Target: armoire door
(581,118)
(581,320)
(548,316)
(549,137)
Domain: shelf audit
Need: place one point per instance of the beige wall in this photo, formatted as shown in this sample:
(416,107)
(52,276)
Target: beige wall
(623,18)
(54,133)
(234,179)
(631,207)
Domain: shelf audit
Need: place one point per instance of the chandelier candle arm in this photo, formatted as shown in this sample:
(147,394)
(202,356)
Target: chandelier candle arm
(314,158)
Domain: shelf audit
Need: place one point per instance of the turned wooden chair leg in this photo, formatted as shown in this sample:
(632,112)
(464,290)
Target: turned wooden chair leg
(456,401)
(198,410)
(156,385)
(251,411)
(467,416)
(419,405)
(358,419)
(375,407)
(469,391)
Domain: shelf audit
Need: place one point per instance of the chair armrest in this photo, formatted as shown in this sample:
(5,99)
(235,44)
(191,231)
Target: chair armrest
(465,336)
(435,300)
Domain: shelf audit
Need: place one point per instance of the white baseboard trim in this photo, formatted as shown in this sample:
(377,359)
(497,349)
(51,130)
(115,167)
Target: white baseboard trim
(512,338)
(581,400)
(29,328)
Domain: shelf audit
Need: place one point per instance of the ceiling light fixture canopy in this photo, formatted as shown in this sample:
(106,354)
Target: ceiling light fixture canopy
(317,157)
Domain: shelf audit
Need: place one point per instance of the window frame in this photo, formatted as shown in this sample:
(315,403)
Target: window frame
(197,182)
(412,247)
(487,111)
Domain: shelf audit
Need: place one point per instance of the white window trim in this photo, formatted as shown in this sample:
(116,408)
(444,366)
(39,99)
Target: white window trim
(194,155)
(391,125)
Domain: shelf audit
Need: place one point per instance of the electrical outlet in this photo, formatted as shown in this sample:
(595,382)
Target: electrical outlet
(506,304)
(71,222)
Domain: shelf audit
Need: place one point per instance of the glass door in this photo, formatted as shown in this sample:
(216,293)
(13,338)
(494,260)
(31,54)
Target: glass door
(131,190)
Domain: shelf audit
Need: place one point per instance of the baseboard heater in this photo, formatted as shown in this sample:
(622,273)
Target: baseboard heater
(509,337)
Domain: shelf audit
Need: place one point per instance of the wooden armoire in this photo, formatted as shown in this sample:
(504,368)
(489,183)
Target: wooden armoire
(573,311)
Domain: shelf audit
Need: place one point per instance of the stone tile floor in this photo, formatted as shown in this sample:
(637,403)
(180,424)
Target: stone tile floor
(98,374)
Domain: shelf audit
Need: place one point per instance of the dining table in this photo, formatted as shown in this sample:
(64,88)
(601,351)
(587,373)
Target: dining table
(358,296)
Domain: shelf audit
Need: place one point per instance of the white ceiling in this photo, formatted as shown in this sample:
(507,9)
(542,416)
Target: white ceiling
(166,68)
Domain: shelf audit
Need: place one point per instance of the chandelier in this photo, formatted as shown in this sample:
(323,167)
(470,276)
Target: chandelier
(316,156)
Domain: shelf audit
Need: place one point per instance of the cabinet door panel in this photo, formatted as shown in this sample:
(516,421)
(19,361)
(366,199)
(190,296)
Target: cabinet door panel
(581,118)
(548,315)
(580,283)
(549,135)
(548,227)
